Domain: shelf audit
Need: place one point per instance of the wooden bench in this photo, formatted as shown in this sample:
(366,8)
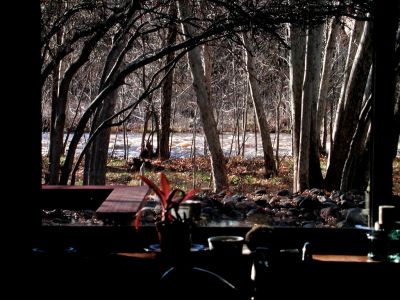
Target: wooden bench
(122,204)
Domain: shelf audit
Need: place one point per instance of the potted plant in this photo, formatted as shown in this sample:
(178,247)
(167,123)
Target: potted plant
(173,229)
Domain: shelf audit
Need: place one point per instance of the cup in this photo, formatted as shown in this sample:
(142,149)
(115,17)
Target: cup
(229,245)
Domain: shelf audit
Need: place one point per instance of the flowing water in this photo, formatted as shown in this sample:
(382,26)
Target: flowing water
(182,144)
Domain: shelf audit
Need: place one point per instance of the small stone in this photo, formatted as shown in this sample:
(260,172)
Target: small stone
(283,193)
(260,192)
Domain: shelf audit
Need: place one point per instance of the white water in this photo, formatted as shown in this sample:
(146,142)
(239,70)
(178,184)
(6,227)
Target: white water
(182,142)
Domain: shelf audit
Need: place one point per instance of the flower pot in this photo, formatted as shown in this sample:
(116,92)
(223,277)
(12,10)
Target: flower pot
(175,238)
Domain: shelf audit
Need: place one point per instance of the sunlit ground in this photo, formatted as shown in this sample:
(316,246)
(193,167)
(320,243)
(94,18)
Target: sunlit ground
(245,175)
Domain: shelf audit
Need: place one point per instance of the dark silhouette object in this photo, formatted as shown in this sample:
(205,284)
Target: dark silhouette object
(136,163)
(147,152)
(183,283)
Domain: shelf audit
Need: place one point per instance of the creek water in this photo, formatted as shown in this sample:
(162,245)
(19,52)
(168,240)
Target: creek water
(181,145)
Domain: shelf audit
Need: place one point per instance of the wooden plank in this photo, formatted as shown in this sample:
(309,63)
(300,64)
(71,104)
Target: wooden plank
(124,200)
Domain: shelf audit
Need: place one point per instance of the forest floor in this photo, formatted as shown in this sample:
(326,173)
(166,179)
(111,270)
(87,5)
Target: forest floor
(245,175)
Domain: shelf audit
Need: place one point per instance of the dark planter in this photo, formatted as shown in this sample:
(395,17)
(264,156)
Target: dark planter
(175,239)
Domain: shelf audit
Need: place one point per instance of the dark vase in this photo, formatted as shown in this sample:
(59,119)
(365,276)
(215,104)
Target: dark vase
(175,239)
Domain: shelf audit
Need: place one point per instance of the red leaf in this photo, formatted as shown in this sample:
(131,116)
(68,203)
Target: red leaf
(158,192)
(164,184)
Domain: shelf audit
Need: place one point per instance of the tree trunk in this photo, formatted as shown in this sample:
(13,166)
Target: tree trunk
(98,152)
(356,169)
(244,124)
(296,63)
(325,133)
(351,52)
(56,135)
(354,161)
(208,67)
(164,152)
(147,117)
(353,97)
(278,125)
(327,71)
(308,163)
(269,162)
(220,179)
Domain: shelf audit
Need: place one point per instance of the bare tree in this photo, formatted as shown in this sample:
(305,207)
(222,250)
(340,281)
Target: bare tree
(269,162)
(117,76)
(297,63)
(327,71)
(220,179)
(93,34)
(309,170)
(164,152)
(346,122)
(132,25)
(356,167)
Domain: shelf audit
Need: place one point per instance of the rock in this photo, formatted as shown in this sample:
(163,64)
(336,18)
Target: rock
(286,202)
(344,204)
(283,193)
(308,203)
(274,201)
(262,202)
(335,195)
(293,212)
(260,192)
(347,196)
(238,197)
(328,212)
(246,205)
(257,215)
(354,216)
(322,198)
(317,192)
(329,203)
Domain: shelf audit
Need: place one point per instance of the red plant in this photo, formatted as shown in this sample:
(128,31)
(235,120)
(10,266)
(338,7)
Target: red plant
(170,200)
